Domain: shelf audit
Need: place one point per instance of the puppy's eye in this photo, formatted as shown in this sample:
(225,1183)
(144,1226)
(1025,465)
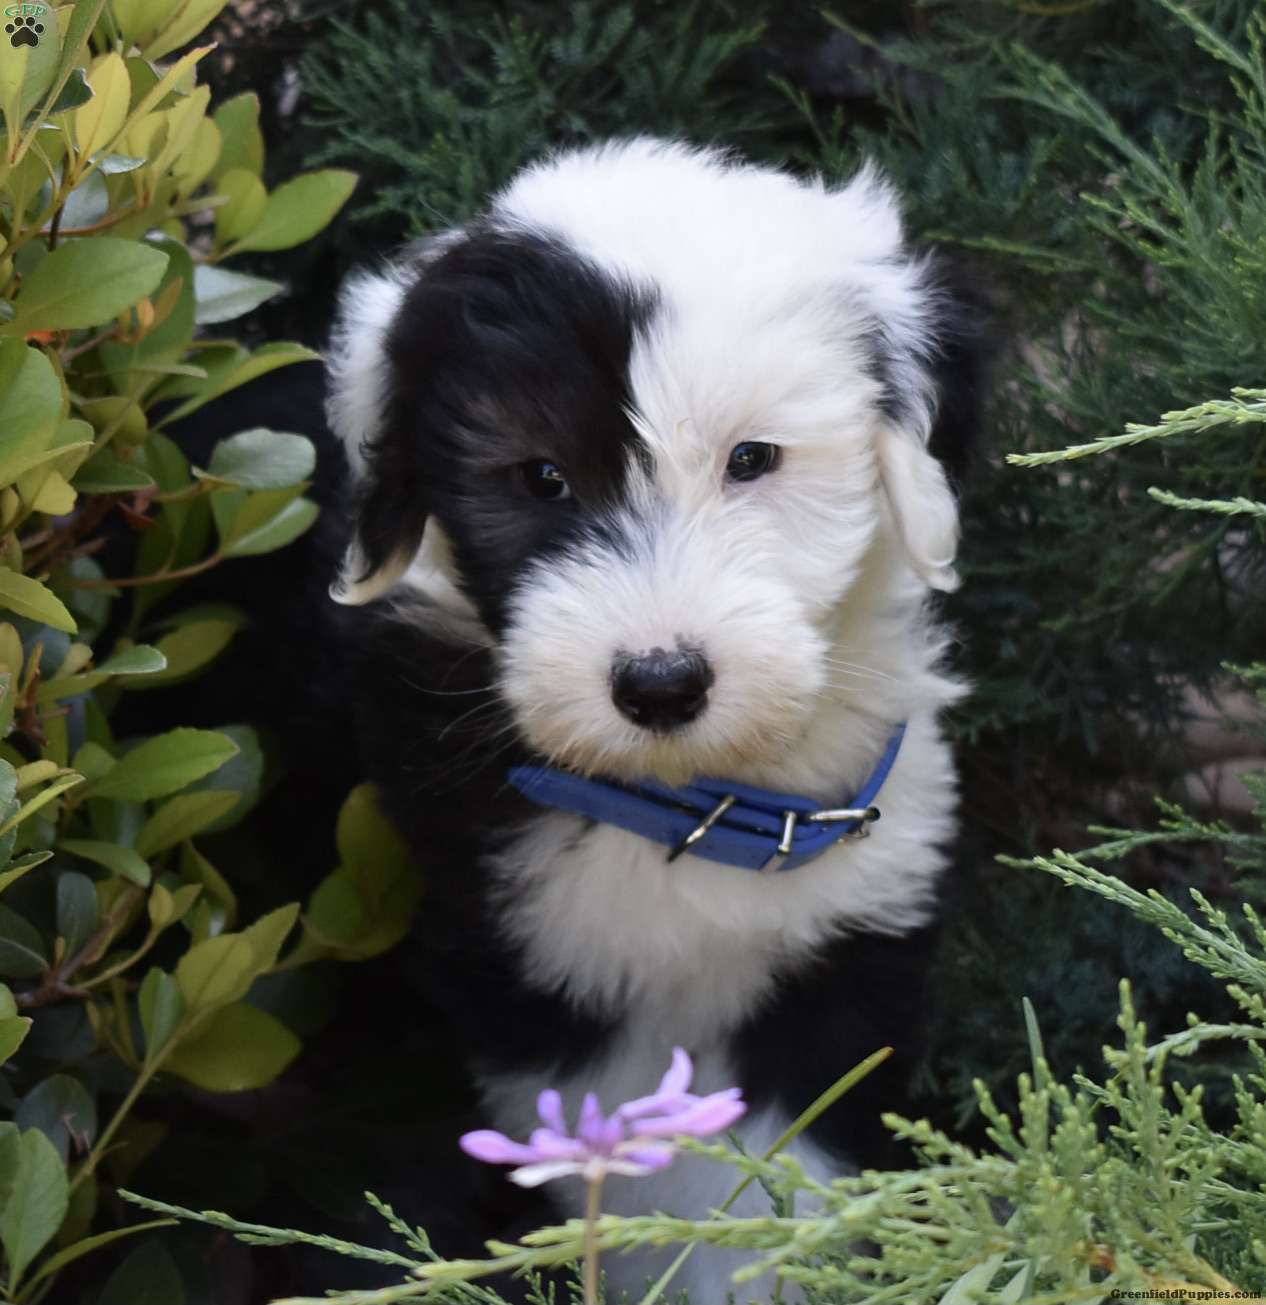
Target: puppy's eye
(545,480)
(752,459)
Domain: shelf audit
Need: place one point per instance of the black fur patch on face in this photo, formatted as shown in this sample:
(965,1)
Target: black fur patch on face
(510,348)
(958,361)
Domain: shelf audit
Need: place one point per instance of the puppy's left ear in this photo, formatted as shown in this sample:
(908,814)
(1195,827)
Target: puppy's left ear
(933,385)
(357,407)
(390,512)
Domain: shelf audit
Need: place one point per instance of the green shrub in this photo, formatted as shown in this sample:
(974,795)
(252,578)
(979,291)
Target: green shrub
(1107,162)
(123,956)
(441,105)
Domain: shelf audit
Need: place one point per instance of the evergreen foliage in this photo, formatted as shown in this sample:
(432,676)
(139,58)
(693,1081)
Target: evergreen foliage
(443,104)
(1101,167)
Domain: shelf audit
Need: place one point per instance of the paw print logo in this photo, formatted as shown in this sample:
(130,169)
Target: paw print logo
(24,31)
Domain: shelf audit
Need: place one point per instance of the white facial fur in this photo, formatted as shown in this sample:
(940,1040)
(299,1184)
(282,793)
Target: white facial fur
(771,291)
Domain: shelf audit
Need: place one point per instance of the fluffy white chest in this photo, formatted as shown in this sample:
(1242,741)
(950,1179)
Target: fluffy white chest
(689,948)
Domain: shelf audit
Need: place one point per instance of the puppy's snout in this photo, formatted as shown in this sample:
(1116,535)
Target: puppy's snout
(661,690)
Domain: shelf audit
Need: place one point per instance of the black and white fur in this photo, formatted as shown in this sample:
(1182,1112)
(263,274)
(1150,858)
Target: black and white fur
(631,313)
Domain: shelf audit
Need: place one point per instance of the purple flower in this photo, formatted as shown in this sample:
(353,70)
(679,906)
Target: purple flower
(635,1140)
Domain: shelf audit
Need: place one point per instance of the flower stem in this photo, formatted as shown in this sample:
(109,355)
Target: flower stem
(593,1202)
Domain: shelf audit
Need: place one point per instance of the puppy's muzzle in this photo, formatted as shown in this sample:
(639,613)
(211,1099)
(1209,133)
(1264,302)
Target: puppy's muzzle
(660,690)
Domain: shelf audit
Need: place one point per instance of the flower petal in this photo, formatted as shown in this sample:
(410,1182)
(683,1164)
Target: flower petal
(549,1105)
(706,1116)
(658,1103)
(671,1094)
(535,1175)
(495,1148)
(649,1155)
(591,1127)
(679,1074)
(548,1145)
(634,1168)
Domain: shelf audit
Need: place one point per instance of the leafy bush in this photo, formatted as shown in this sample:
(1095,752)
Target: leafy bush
(124,956)
(1122,227)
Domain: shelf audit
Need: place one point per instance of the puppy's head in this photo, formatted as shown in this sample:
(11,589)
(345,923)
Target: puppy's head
(643,428)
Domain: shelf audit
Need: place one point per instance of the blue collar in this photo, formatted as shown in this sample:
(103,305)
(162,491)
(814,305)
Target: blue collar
(719,820)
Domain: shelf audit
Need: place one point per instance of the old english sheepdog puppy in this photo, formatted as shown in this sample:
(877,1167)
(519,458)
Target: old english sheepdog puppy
(655,470)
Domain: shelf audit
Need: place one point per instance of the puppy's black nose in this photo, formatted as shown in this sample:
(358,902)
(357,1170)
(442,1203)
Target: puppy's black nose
(661,690)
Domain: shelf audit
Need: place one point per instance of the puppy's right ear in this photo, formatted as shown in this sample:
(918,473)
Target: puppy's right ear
(390,507)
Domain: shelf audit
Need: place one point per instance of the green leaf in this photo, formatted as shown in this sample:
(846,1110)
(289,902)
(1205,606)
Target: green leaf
(147,1277)
(16,869)
(62,1109)
(140,659)
(29,598)
(298,209)
(242,774)
(167,908)
(189,19)
(87,282)
(56,1263)
(223,295)
(237,511)
(166,343)
(276,532)
(188,649)
(165,764)
(83,19)
(40,800)
(263,459)
(268,933)
(182,817)
(113,165)
(37,1206)
(162,1007)
(22,953)
(368,844)
(244,200)
(76,909)
(365,906)
(116,858)
(241,141)
(10,1151)
(26,74)
(30,408)
(87,204)
(106,473)
(13,1031)
(216,972)
(238,1048)
(75,92)
(97,123)
(218,907)
(234,368)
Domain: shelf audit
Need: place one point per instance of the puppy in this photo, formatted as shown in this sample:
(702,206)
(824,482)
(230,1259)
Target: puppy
(653,469)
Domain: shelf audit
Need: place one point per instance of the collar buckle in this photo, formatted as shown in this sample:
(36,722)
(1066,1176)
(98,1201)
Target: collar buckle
(701,829)
(863,817)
